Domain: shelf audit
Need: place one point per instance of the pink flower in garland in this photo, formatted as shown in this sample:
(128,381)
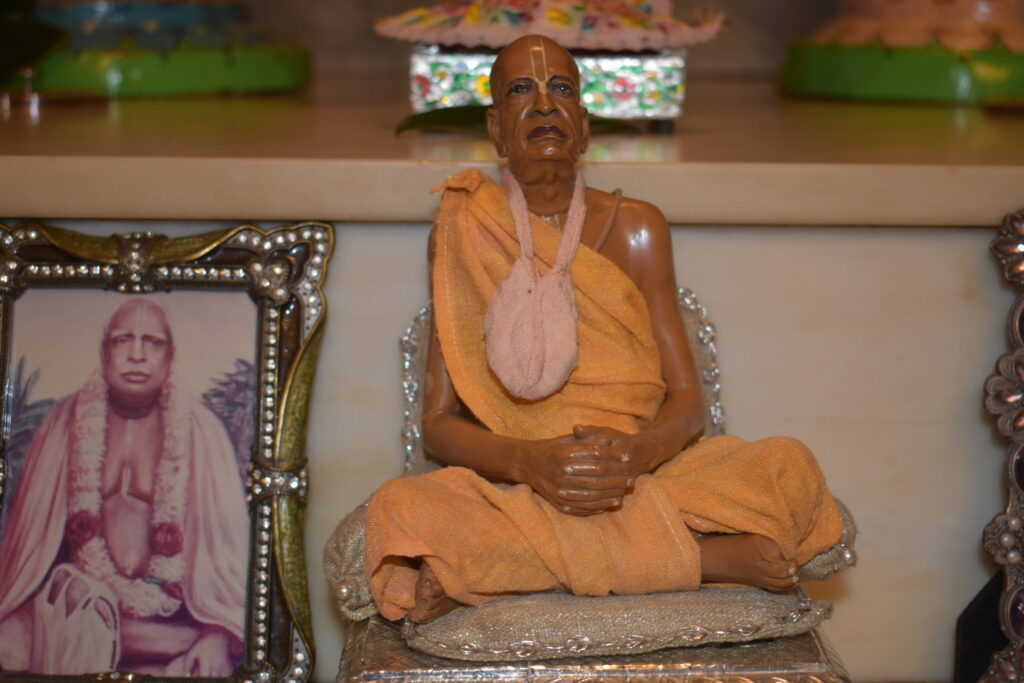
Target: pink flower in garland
(166,539)
(81,528)
(174,590)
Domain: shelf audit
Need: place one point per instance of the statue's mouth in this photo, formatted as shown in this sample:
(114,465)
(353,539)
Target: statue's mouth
(135,377)
(546,132)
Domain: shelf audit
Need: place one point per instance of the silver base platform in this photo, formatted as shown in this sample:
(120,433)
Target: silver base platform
(375,651)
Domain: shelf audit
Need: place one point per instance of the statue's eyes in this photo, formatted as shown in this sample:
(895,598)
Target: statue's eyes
(525,87)
(562,88)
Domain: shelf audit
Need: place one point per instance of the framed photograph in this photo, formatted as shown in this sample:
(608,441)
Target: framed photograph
(152,472)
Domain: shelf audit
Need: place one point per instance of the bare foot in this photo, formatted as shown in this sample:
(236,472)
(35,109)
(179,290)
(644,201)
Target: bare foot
(431,600)
(749,559)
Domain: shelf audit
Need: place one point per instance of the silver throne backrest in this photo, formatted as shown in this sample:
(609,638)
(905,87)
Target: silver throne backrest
(416,340)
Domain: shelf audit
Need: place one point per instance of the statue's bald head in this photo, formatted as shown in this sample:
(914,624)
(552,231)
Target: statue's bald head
(537,114)
(541,55)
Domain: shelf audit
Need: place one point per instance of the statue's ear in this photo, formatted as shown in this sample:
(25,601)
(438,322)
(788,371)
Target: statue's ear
(494,132)
(584,131)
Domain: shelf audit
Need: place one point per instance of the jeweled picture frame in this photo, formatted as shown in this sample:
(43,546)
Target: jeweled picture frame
(1004,398)
(152,473)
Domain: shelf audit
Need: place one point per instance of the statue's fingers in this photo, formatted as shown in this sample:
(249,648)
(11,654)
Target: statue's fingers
(614,453)
(584,508)
(577,496)
(597,467)
(619,482)
(594,451)
(595,435)
(579,512)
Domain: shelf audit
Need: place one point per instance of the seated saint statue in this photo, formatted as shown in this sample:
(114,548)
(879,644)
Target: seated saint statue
(561,393)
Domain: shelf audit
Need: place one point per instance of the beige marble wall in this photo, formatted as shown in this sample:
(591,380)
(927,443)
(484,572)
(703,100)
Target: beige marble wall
(340,34)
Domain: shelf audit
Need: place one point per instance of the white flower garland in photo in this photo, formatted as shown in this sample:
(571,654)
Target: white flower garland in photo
(143,596)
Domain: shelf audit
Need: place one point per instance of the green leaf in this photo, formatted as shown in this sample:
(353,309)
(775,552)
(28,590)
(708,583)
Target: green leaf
(470,119)
(599,124)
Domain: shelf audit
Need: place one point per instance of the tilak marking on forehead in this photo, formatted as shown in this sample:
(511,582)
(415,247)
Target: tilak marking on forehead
(132,321)
(138,319)
(537,46)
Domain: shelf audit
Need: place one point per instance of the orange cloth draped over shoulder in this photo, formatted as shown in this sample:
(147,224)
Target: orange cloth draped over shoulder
(485,541)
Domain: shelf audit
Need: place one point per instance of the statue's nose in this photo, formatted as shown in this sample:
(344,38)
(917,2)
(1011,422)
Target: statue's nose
(543,102)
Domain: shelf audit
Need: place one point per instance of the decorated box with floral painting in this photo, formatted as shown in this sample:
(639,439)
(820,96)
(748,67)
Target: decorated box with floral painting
(631,53)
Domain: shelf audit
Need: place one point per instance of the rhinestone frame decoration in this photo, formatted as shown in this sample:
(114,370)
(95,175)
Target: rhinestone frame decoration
(283,271)
(1004,399)
(615,85)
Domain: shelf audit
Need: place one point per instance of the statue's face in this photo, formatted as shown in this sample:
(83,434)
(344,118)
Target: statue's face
(537,115)
(137,355)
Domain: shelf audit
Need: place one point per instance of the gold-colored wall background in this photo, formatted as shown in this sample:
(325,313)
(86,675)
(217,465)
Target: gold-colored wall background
(339,33)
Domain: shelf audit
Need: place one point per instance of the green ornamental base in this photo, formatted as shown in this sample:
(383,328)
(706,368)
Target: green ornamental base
(925,74)
(132,72)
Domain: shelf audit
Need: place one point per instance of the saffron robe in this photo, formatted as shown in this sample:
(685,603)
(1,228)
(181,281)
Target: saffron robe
(484,540)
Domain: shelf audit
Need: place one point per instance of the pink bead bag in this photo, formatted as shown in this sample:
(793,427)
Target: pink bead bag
(530,327)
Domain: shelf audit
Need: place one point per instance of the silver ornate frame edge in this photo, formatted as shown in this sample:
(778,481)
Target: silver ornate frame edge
(1003,537)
